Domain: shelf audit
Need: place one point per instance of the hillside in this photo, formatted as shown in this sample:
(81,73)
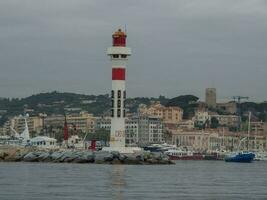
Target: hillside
(60,103)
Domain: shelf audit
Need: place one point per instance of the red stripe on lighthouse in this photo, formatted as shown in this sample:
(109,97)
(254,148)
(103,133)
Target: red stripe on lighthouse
(118,74)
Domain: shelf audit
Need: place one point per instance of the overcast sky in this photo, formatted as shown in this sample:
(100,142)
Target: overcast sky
(178,46)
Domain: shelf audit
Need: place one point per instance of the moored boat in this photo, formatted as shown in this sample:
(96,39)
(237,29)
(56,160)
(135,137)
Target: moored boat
(177,154)
(260,156)
(240,157)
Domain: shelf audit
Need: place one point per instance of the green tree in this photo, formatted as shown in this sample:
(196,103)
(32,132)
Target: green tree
(214,122)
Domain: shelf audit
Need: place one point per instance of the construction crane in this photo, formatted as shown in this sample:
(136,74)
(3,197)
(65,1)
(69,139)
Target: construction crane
(238,99)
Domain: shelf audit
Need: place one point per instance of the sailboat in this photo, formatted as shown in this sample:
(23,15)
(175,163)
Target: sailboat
(242,156)
(73,141)
(24,140)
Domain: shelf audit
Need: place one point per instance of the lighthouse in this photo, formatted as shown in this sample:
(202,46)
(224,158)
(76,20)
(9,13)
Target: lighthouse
(118,54)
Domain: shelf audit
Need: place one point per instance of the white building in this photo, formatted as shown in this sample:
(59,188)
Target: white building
(201,118)
(227,120)
(139,130)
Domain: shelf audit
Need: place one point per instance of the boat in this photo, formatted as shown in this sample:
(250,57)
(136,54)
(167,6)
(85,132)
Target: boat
(17,139)
(24,140)
(179,154)
(213,156)
(159,147)
(244,156)
(260,156)
(72,141)
(44,142)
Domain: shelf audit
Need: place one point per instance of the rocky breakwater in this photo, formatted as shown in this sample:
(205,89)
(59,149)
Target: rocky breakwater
(75,156)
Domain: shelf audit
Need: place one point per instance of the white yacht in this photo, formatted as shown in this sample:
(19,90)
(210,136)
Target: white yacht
(44,142)
(24,139)
(261,156)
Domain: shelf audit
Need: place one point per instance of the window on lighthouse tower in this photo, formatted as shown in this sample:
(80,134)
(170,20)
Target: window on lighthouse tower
(119,103)
(119,113)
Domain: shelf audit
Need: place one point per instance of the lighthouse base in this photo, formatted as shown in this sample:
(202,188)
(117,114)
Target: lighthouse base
(125,150)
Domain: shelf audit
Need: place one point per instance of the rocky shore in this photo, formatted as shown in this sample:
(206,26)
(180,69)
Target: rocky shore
(79,156)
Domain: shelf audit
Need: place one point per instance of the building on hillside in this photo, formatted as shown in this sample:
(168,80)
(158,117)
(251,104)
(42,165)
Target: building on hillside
(155,130)
(83,121)
(229,107)
(35,124)
(233,141)
(196,140)
(150,130)
(201,118)
(55,121)
(260,127)
(155,109)
(227,120)
(139,130)
(173,114)
(213,140)
(2,131)
(186,125)
(6,128)
(131,130)
(210,97)
(103,123)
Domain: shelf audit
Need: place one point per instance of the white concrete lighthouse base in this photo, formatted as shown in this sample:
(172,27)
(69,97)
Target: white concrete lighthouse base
(125,150)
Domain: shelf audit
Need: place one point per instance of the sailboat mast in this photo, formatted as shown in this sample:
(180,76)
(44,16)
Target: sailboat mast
(249,118)
(66,132)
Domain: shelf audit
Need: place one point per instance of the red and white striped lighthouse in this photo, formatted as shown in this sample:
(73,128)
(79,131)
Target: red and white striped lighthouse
(119,55)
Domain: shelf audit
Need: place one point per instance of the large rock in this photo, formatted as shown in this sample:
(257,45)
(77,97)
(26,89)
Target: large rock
(100,157)
(103,157)
(157,155)
(80,157)
(140,157)
(115,154)
(3,155)
(90,156)
(44,157)
(132,159)
(19,156)
(68,156)
(31,157)
(122,157)
(55,156)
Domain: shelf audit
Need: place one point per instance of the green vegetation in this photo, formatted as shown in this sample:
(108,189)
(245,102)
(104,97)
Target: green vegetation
(60,103)
(187,102)
(259,110)
(214,123)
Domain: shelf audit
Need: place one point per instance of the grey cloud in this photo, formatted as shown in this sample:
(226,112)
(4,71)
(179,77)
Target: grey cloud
(178,46)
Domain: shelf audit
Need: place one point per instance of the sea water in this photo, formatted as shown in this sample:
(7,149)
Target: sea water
(185,180)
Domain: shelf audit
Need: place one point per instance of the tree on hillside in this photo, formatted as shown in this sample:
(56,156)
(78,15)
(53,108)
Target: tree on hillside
(214,122)
(187,102)
(182,100)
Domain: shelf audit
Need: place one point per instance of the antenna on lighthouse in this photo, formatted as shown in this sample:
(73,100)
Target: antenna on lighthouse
(125,29)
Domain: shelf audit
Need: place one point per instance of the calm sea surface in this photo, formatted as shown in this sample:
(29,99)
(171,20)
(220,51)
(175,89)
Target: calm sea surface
(185,180)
